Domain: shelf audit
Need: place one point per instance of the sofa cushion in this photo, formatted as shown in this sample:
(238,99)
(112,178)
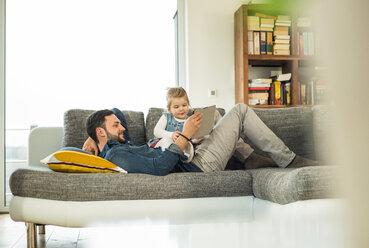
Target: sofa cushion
(121,186)
(75,133)
(289,185)
(293,125)
(154,115)
(75,160)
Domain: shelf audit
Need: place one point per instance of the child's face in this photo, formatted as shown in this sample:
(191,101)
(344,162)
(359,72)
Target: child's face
(179,107)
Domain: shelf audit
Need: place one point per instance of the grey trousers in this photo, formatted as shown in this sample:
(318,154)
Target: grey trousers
(227,137)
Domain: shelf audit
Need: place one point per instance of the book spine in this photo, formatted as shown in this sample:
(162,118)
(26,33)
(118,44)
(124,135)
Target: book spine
(301,46)
(250,42)
(272,94)
(257,43)
(263,42)
(277,89)
(305,43)
(270,43)
(288,93)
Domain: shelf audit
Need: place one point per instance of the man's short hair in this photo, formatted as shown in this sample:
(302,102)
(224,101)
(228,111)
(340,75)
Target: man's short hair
(96,120)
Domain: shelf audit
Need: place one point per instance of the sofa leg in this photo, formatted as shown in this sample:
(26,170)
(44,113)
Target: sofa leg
(31,235)
(41,229)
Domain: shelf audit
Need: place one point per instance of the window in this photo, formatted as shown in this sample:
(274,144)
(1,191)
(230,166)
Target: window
(89,54)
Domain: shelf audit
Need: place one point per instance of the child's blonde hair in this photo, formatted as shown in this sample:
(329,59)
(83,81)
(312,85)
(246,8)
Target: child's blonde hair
(175,92)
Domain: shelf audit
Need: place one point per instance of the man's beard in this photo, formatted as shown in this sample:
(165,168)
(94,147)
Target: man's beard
(115,137)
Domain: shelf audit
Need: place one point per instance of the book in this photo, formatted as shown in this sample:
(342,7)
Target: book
(269,43)
(271,99)
(281,37)
(277,90)
(258,98)
(264,20)
(281,46)
(265,16)
(261,80)
(311,43)
(263,43)
(278,32)
(259,84)
(277,41)
(258,102)
(207,123)
(282,77)
(280,28)
(281,52)
(287,87)
(253,23)
(303,93)
(257,95)
(257,43)
(250,42)
(258,88)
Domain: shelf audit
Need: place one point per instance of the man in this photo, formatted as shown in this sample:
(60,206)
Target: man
(212,154)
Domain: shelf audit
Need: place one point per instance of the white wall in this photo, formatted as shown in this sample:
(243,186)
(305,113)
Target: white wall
(209,45)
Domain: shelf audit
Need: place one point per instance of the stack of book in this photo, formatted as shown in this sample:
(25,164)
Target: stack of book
(306,38)
(280,90)
(313,92)
(266,35)
(283,21)
(253,23)
(281,36)
(253,35)
(258,91)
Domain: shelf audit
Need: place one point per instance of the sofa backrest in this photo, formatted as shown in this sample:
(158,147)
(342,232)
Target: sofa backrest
(75,126)
(294,126)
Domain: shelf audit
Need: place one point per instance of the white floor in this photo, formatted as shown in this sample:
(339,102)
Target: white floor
(226,222)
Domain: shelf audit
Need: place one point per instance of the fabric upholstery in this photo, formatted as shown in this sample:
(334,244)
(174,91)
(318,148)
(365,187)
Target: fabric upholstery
(293,125)
(121,186)
(75,126)
(290,185)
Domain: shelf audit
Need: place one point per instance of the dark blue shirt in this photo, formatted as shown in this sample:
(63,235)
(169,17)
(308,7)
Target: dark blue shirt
(143,159)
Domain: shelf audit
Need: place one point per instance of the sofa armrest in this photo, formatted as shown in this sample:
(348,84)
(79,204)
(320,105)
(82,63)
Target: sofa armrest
(42,142)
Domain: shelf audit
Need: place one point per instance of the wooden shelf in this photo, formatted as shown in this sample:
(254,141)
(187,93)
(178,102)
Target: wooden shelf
(288,63)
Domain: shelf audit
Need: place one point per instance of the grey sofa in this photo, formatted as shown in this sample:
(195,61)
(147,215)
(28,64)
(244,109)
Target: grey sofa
(298,127)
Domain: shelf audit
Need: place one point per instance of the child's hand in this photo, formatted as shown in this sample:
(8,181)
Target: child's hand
(175,136)
(198,140)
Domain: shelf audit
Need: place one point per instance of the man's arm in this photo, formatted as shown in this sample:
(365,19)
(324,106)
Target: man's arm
(90,146)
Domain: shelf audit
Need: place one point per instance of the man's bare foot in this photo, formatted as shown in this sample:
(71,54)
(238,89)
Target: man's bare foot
(255,161)
(299,161)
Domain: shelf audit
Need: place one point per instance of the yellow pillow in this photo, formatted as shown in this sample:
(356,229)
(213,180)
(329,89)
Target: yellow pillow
(74,160)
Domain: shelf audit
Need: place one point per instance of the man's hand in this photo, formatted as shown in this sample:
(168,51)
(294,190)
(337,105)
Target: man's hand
(90,146)
(175,136)
(191,126)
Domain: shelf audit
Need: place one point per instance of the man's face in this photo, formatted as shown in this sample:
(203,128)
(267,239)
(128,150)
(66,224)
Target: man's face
(114,129)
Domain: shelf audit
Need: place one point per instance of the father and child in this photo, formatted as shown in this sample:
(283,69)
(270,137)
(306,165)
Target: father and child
(174,150)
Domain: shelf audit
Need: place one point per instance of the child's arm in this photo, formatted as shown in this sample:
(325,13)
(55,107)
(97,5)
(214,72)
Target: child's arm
(159,130)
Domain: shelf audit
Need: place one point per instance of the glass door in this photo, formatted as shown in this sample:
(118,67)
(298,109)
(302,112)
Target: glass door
(86,54)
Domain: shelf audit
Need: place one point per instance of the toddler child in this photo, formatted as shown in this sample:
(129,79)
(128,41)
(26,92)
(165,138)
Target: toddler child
(170,124)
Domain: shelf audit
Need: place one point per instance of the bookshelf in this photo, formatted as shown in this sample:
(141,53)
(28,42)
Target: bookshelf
(288,63)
